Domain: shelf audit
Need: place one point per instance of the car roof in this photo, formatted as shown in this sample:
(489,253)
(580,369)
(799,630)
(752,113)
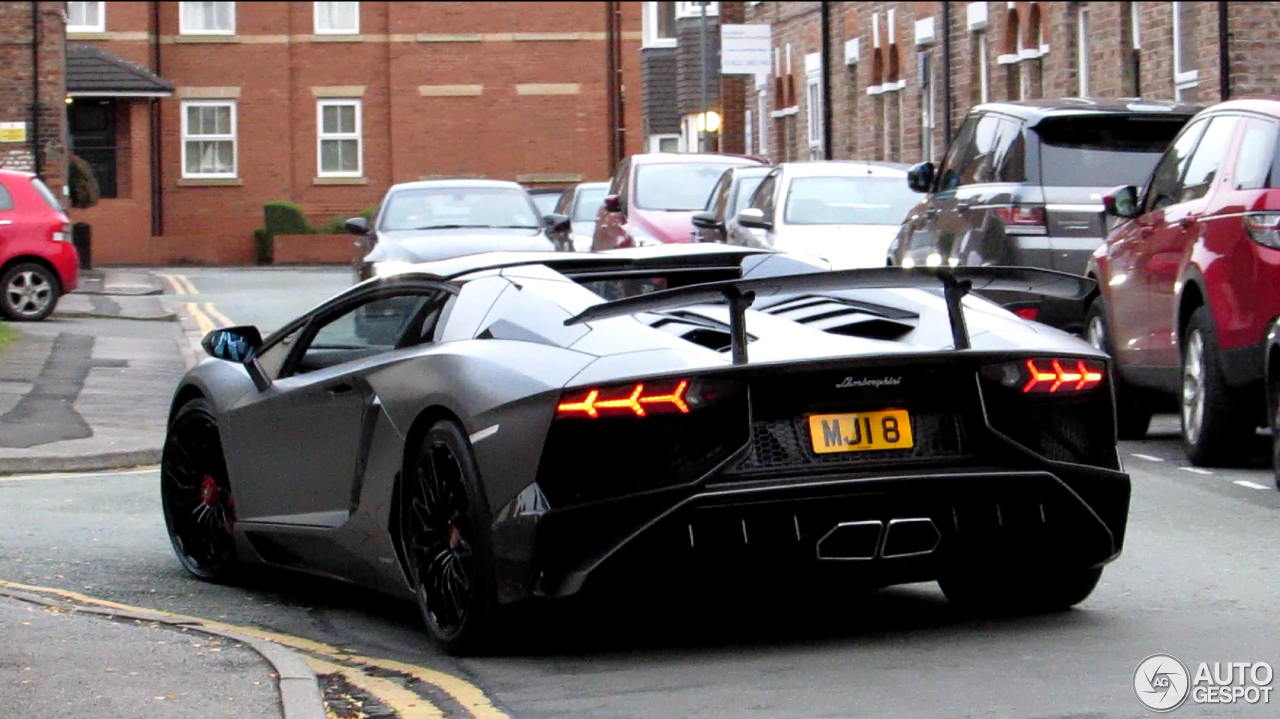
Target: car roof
(684,253)
(668,158)
(16,174)
(459,183)
(1068,106)
(843,168)
(590,185)
(1258,105)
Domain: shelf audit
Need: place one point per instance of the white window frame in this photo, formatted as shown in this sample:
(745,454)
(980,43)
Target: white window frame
(928,112)
(649,19)
(315,12)
(813,104)
(686,10)
(233,137)
(762,121)
(984,68)
(1181,80)
(749,137)
(1082,51)
(100,26)
(1135,21)
(655,142)
(184,21)
(358,136)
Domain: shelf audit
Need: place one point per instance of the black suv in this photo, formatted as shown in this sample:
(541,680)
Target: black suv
(1023,183)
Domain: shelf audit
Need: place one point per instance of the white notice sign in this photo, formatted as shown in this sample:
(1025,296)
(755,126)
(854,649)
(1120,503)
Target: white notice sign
(745,50)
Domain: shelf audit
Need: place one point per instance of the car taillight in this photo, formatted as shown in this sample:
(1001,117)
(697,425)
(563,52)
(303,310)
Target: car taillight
(1028,313)
(61,233)
(1263,228)
(1022,217)
(1048,376)
(637,399)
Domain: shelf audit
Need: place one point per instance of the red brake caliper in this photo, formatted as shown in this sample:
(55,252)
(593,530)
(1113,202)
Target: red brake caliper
(210,495)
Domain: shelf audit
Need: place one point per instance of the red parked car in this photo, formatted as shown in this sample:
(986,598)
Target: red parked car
(653,197)
(1189,281)
(38,263)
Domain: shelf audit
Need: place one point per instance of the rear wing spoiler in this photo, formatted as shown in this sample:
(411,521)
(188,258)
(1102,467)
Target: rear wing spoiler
(955,282)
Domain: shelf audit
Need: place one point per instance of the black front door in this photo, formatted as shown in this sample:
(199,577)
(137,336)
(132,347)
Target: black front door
(92,124)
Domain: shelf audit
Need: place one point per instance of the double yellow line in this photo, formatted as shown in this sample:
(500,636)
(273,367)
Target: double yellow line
(182,285)
(327,659)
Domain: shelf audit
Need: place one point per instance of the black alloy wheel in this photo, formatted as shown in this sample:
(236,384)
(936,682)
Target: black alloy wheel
(443,516)
(199,510)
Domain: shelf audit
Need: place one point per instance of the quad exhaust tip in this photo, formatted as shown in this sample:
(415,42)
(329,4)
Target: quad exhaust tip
(864,541)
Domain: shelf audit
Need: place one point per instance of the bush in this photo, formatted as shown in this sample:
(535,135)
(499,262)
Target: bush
(82,183)
(336,226)
(285,218)
(368,212)
(263,247)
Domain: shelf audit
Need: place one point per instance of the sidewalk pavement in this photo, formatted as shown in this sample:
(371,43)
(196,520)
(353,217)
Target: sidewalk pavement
(89,388)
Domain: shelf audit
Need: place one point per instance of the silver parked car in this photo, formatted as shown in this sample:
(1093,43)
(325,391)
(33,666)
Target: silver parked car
(580,203)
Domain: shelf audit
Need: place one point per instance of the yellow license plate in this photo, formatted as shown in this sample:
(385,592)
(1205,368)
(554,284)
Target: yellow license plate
(887,429)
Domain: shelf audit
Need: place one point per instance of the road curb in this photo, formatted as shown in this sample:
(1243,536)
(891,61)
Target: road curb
(297,685)
(77,315)
(82,463)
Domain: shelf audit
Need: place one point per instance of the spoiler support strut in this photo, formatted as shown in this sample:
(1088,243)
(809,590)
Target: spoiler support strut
(738,303)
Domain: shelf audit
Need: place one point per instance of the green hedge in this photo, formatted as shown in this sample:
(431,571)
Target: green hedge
(285,218)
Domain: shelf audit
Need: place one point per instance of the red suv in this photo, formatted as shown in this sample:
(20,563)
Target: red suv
(38,263)
(1189,281)
(653,197)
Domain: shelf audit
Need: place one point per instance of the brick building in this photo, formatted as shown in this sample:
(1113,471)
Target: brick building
(890,70)
(32,86)
(327,104)
(676,83)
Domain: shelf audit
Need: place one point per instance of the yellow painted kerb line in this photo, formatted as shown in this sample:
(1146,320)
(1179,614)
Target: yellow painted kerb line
(181,284)
(202,320)
(469,696)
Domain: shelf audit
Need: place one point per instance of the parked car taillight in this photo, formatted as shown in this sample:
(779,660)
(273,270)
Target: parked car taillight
(1263,228)
(1022,218)
(61,233)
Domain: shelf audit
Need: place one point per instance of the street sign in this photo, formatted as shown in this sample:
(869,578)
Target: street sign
(13,132)
(745,50)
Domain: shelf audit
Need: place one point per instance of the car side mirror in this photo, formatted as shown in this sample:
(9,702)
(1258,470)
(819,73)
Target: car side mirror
(556,222)
(753,217)
(1121,202)
(920,177)
(706,221)
(357,226)
(239,345)
(612,203)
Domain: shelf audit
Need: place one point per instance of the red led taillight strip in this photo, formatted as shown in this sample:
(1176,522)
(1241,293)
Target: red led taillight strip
(634,400)
(1080,378)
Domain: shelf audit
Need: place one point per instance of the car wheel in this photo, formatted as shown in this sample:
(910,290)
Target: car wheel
(1133,408)
(1212,432)
(1019,593)
(199,509)
(30,292)
(1275,444)
(444,519)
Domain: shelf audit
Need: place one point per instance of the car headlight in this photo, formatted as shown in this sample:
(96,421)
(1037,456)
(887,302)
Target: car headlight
(390,267)
(582,243)
(644,241)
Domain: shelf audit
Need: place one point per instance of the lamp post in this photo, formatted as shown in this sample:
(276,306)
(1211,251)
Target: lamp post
(702,47)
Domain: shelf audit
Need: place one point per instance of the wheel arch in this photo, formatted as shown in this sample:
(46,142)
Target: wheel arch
(1191,298)
(185,394)
(1271,365)
(424,421)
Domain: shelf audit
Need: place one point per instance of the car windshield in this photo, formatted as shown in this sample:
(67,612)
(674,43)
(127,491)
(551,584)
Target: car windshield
(459,207)
(676,186)
(849,201)
(588,203)
(746,188)
(545,202)
(1103,151)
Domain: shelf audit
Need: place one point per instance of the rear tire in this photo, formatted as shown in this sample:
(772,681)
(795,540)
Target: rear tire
(1133,407)
(1275,444)
(29,292)
(1020,593)
(444,529)
(1213,432)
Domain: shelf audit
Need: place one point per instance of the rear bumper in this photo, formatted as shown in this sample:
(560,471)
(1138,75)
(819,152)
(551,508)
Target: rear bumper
(885,529)
(66,261)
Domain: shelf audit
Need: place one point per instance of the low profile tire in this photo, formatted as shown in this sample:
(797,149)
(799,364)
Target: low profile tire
(443,525)
(1133,407)
(1213,432)
(28,292)
(199,509)
(1020,593)
(1275,444)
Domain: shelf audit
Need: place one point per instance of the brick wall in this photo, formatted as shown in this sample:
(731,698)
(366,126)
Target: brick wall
(888,123)
(16,70)
(658,73)
(489,89)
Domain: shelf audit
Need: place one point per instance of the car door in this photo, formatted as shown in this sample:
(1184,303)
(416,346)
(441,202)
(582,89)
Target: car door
(766,199)
(8,222)
(748,236)
(1170,245)
(611,225)
(971,227)
(941,223)
(296,449)
(1129,247)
